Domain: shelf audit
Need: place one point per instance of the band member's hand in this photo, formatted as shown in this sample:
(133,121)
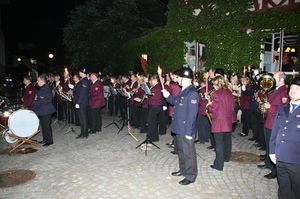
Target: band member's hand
(243,87)
(71,86)
(165,93)
(273,158)
(267,105)
(188,137)
(77,106)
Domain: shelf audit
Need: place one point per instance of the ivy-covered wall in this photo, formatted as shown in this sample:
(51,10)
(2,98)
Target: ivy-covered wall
(221,25)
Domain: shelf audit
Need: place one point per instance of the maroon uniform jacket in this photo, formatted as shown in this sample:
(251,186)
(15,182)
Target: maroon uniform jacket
(29,96)
(222,110)
(156,99)
(245,100)
(96,98)
(65,85)
(174,90)
(276,98)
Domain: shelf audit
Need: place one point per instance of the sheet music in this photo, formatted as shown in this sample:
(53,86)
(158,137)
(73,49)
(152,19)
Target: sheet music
(137,99)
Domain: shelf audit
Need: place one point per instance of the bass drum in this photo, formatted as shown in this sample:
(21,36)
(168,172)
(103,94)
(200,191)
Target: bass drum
(6,137)
(23,123)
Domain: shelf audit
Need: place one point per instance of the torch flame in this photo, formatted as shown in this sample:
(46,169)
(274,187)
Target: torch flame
(159,70)
(66,71)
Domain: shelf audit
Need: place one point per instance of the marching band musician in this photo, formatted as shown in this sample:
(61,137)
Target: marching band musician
(58,102)
(183,125)
(222,108)
(276,98)
(29,93)
(174,90)
(245,103)
(155,109)
(203,124)
(65,88)
(96,102)
(134,105)
(144,107)
(284,144)
(43,107)
(81,100)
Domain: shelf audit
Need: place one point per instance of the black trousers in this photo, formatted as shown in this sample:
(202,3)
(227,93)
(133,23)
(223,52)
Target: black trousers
(154,122)
(135,115)
(144,119)
(96,119)
(288,180)
(246,121)
(58,103)
(45,122)
(203,128)
(83,120)
(223,149)
(268,161)
(256,124)
(187,157)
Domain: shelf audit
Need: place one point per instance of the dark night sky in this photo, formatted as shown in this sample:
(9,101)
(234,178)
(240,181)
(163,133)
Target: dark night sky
(39,22)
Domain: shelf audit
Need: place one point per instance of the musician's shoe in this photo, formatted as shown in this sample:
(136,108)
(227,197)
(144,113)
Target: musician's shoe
(262,148)
(42,142)
(252,139)
(79,136)
(213,167)
(243,134)
(47,144)
(176,173)
(185,182)
(173,152)
(262,166)
(210,147)
(92,132)
(270,176)
(196,141)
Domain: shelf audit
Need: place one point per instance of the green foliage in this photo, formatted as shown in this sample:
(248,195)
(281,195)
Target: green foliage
(221,26)
(97,30)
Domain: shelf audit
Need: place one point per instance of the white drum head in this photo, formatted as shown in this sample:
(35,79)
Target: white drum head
(23,123)
(8,138)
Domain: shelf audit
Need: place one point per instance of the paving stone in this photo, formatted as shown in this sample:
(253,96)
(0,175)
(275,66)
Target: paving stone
(107,165)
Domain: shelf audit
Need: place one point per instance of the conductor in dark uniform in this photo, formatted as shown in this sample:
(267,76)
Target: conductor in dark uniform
(285,142)
(82,101)
(183,125)
(44,109)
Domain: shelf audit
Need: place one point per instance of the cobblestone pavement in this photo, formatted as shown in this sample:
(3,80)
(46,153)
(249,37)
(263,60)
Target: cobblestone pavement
(108,165)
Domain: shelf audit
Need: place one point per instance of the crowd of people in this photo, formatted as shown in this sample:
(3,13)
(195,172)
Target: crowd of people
(199,110)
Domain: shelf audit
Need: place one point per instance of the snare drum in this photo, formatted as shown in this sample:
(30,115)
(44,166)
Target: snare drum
(23,123)
(6,134)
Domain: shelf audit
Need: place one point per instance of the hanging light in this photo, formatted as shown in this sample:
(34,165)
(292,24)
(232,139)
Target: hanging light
(293,50)
(278,49)
(288,49)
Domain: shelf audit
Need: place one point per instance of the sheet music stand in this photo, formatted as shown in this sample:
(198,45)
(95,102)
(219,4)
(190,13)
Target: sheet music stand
(147,141)
(113,93)
(127,95)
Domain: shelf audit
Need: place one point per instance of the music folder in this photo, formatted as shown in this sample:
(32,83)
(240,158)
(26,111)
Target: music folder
(123,93)
(146,89)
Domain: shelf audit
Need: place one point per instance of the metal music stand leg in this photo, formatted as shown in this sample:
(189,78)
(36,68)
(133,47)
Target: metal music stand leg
(68,111)
(113,115)
(146,142)
(128,124)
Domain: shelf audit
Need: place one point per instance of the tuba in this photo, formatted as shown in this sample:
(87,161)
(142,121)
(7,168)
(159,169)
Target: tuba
(266,83)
